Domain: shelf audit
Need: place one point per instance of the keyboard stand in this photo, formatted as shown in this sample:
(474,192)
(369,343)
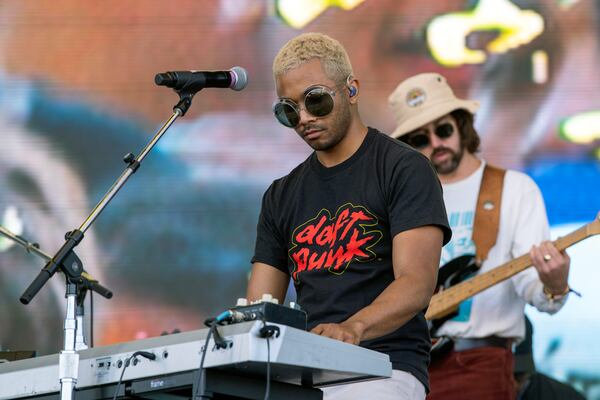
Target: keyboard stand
(219,385)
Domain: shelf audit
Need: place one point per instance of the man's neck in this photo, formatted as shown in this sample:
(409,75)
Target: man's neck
(467,166)
(357,132)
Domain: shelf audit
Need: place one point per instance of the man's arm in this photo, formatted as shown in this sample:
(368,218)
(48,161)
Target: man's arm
(531,228)
(267,279)
(415,257)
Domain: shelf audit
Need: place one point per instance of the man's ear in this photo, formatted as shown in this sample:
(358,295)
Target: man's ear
(353,86)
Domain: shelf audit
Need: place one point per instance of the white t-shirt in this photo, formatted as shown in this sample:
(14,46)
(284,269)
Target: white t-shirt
(499,309)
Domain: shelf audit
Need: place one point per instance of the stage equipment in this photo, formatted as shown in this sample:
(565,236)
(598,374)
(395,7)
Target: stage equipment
(66,260)
(86,283)
(300,362)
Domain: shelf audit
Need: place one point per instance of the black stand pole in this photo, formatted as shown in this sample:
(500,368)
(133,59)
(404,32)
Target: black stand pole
(87,281)
(62,260)
(66,261)
(84,283)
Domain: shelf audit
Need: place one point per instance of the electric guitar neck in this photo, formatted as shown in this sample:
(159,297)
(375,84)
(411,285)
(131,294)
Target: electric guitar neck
(446,301)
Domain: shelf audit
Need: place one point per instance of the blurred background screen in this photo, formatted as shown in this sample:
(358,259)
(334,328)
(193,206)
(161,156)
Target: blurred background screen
(77,93)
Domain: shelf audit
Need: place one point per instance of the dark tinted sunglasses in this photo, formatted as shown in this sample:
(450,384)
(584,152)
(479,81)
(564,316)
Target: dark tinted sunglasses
(318,101)
(420,139)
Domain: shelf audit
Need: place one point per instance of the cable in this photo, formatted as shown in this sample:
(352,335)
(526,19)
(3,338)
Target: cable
(268,388)
(145,354)
(91,318)
(125,365)
(229,316)
(266,332)
(200,380)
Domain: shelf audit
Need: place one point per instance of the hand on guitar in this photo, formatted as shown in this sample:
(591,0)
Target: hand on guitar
(552,266)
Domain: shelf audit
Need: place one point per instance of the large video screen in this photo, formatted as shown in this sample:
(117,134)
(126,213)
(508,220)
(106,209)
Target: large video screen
(77,93)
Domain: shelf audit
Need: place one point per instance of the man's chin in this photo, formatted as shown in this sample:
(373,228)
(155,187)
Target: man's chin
(321,144)
(446,168)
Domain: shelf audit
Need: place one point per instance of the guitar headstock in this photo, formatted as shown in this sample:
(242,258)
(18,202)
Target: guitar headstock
(593,228)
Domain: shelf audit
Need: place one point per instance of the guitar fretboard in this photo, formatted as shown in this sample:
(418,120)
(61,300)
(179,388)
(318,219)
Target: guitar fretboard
(445,302)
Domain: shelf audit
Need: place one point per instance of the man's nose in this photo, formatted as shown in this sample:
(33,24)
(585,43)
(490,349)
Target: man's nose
(434,139)
(305,116)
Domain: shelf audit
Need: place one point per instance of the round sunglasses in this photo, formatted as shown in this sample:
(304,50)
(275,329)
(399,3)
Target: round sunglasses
(420,139)
(318,101)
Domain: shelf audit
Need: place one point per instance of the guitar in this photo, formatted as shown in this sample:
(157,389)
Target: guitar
(455,285)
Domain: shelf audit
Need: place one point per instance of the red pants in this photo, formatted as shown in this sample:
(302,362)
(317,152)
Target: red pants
(483,373)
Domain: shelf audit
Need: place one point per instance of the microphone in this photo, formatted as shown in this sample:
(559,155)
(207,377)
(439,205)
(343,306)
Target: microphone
(236,79)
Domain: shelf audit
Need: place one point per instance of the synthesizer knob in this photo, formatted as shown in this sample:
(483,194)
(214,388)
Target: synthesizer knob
(267,298)
(241,302)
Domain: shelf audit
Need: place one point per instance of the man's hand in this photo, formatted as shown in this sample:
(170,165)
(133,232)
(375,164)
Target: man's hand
(349,332)
(552,266)
(415,259)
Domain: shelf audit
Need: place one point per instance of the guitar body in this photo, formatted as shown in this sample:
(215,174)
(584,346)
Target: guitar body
(456,271)
(455,284)
(450,274)
(440,346)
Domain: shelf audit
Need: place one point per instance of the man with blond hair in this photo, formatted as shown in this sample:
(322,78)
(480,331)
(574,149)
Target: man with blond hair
(434,121)
(358,226)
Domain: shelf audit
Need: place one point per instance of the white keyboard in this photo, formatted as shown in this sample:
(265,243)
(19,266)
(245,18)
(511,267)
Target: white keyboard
(296,357)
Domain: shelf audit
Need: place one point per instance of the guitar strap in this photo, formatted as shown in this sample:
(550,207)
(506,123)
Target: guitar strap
(487,212)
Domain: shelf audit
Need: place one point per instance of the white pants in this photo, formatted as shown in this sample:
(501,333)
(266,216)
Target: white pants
(401,386)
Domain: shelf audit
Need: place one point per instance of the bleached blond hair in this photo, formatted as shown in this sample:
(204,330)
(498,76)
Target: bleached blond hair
(310,46)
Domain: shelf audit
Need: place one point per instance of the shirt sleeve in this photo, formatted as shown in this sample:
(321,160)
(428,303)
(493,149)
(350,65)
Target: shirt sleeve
(415,196)
(270,247)
(531,228)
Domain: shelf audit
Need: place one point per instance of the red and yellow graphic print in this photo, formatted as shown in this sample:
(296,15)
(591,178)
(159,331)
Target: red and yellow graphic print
(332,243)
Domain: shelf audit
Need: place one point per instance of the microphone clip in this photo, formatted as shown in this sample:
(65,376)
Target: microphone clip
(185,101)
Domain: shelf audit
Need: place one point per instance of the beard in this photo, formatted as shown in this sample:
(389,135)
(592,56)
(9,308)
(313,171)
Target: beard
(450,165)
(335,131)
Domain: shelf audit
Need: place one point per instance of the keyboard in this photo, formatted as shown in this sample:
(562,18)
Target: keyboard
(296,357)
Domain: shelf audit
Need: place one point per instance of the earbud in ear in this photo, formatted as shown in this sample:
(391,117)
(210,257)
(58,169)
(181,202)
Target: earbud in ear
(353,91)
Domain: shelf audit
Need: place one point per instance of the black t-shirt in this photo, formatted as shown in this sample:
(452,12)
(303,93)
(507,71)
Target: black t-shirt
(331,230)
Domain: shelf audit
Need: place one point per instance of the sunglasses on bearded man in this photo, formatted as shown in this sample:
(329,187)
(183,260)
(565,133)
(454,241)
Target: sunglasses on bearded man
(419,139)
(318,101)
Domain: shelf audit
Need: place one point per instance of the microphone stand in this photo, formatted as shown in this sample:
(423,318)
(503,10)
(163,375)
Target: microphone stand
(66,261)
(86,283)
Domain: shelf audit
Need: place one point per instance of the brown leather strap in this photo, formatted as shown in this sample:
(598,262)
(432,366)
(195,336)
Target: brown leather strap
(487,213)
